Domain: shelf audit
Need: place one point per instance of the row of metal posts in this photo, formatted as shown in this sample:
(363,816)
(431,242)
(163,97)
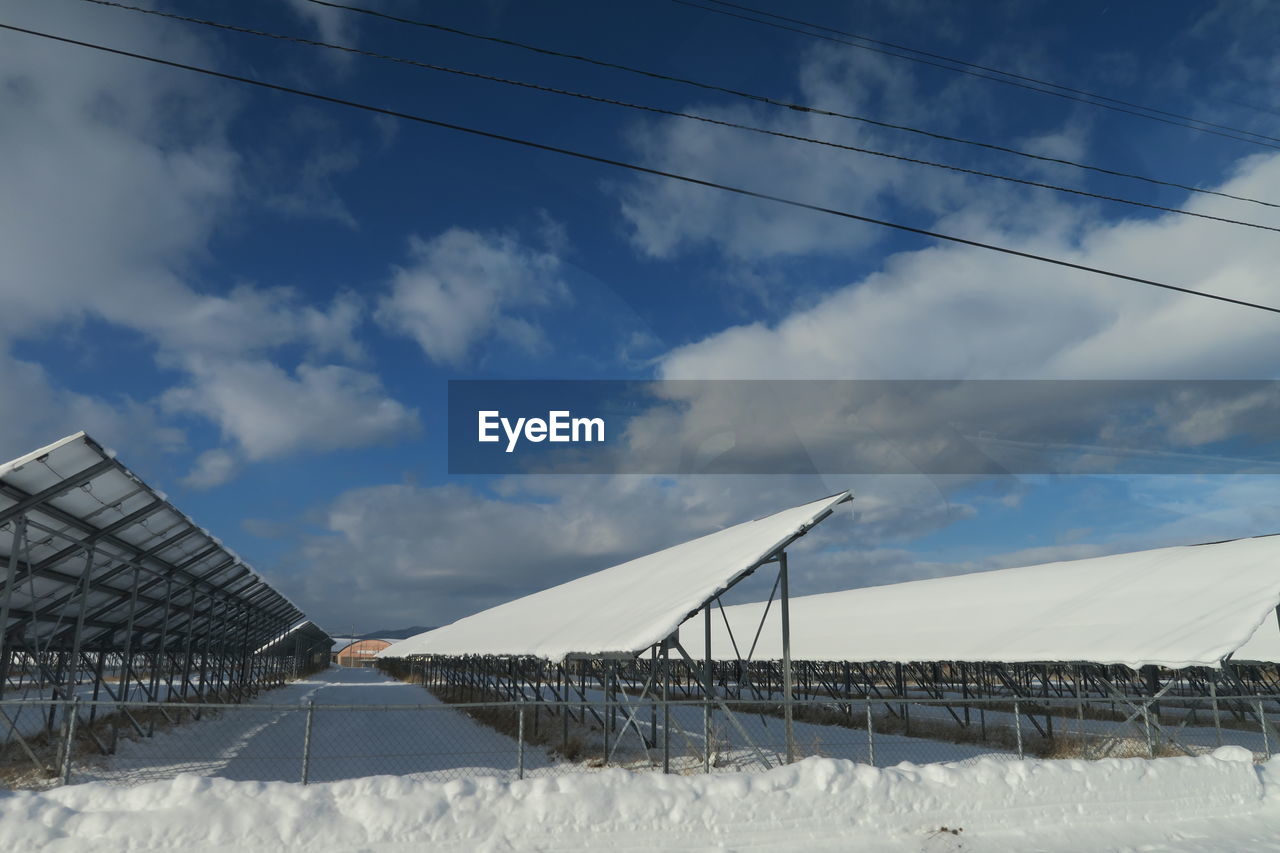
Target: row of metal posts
(244,615)
(1144,708)
(473,674)
(237,673)
(1085,687)
(1086,684)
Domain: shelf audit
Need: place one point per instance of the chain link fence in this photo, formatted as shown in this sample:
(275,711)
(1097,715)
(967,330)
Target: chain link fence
(51,742)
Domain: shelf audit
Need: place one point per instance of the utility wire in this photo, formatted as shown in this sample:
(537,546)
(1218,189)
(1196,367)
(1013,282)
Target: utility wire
(965,63)
(777,103)
(594,158)
(676,113)
(1200,126)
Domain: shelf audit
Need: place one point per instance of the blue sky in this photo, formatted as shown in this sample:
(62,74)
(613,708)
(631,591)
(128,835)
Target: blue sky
(258,299)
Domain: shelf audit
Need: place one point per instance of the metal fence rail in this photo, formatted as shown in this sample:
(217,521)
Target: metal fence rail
(131,742)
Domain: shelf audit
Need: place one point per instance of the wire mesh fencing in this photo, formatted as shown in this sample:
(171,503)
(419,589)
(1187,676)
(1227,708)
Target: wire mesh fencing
(58,742)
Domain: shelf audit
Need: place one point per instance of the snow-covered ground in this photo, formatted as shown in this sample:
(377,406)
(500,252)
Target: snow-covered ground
(392,733)
(29,717)
(1175,723)
(1218,803)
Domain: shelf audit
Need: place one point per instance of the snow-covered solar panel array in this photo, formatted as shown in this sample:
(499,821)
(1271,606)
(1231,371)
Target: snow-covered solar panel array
(1175,607)
(83,541)
(305,632)
(625,609)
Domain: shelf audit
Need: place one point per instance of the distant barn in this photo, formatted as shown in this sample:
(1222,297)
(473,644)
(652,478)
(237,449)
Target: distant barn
(358,652)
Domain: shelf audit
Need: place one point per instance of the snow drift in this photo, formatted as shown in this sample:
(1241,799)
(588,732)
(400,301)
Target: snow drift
(816,804)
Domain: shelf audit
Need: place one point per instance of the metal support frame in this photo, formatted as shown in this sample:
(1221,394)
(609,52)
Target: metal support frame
(788,684)
(6,597)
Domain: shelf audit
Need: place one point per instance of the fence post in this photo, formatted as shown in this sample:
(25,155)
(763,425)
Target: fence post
(707,687)
(1266,741)
(564,710)
(68,745)
(306,743)
(1017,727)
(604,726)
(1146,723)
(871,737)
(666,706)
(1079,700)
(520,741)
(1217,719)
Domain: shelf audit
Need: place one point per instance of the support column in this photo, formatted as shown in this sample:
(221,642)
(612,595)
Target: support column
(242,657)
(653,708)
(126,659)
(73,671)
(19,532)
(788,707)
(706,689)
(187,653)
(223,681)
(157,671)
(666,708)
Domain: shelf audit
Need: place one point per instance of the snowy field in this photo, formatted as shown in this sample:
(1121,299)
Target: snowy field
(1175,723)
(29,721)
(1219,803)
(262,741)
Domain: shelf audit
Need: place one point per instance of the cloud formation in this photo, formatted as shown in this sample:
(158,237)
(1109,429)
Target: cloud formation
(462,287)
(268,411)
(666,218)
(950,312)
(117,179)
(429,555)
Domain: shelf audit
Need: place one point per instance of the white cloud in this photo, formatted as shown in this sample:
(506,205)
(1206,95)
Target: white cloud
(295,164)
(463,287)
(331,25)
(1211,508)
(1071,142)
(114,178)
(269,412)
(956,312)
(38,411)
(313,194)
(665,217)
(114,174)
(117,176)
(212,468)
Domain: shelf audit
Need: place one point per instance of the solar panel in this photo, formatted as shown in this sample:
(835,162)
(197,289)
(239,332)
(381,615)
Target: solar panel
(84,541)
(1193,605)
(625,609)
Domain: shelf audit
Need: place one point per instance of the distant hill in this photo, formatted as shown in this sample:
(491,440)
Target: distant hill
(396,633)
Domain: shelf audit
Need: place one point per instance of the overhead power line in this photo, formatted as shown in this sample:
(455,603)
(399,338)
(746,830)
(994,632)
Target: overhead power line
(944,58)
(621,164)
(972,70)
(712,87)
(676,113)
